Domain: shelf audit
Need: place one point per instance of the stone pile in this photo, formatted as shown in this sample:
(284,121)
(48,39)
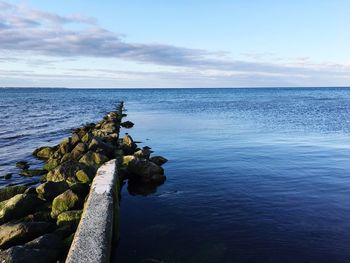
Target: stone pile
(38,224)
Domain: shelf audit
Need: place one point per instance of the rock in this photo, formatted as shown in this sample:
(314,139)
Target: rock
(65,172)
(23,254)
(93,159)
(128,145)
(30,190)
(22,165)
(87,138)
(78,151)
(69,218)
(97,145)
(83,176)
(50,190)
(48,241)
(146,171)
(18,206)
(80,189)
(66,157)
(33,172)
(144,153)
(6,176)
(159,160)
(127,159)
(19,233)
(66,146)
(37,217)
(127,124)
(75,138)
(66,201)
(44,152)
(10,191)
(51,164)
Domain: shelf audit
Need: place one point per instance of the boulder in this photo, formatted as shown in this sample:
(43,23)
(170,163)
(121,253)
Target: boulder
(87,138)
(22,165)
(66,201)
(144,153)
(80,189)
(50,190)
(66,157)
(10,191)
(84,176)
(93,159)
(6,176)
(19,233)
(48,241)
(51,164)
(23,254)
(97,145)
(75,138)
(128,145)
(69,218)
(32,172)
(146,171)
(65,172)
(18,206)
(159,160)
(44,152)
(127,124)
(65,146)
(78,151)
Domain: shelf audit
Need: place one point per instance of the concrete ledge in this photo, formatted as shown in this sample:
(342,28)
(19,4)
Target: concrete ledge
(93,238)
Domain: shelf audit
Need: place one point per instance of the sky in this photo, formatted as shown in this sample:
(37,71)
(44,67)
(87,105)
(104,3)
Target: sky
(178,43)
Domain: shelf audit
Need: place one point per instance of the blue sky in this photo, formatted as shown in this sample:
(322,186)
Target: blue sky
(178,43)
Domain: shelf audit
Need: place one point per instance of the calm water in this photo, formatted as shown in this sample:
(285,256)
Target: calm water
(255,175)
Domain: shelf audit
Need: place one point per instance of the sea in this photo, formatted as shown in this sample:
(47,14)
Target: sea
(254,175)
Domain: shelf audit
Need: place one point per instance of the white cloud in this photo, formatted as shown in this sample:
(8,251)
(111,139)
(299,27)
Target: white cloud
(24,30)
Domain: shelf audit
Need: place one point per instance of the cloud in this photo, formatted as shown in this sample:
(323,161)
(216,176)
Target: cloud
(28,30)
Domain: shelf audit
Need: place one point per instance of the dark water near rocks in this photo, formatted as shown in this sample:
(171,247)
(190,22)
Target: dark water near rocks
(255,175)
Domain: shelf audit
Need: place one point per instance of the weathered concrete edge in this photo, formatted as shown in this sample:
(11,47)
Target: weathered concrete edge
(93,238)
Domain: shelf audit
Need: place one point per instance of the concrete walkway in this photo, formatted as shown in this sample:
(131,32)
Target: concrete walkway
(93,238)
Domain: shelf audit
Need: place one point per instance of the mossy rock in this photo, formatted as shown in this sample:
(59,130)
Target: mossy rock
(19,233)
(83,176)
(66,201)
(98,145)
(75,138)
(33,172)
(87,138)
(128,145)
(10,191)
(18,206)
(44,152)
(66,172)
(66,146)
(127,159)
(22,165)
(69,218)
(78,151)
(50,190)
(93,159)
(51,164)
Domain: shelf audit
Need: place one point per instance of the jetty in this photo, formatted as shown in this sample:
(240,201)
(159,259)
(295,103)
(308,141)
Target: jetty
(72,215)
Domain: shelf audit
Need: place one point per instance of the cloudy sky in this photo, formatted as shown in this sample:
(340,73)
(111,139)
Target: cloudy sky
(180,43)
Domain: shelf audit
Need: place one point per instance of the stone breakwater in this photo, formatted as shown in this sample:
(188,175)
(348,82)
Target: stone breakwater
(38,224)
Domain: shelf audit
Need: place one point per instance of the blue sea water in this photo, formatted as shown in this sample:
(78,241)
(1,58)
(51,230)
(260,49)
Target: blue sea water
(254,175)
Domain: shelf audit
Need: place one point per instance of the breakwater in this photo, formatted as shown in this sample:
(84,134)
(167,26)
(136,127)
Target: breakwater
(38,224)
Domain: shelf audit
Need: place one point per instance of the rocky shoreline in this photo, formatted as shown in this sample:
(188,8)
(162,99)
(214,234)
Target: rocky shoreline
(38,223)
